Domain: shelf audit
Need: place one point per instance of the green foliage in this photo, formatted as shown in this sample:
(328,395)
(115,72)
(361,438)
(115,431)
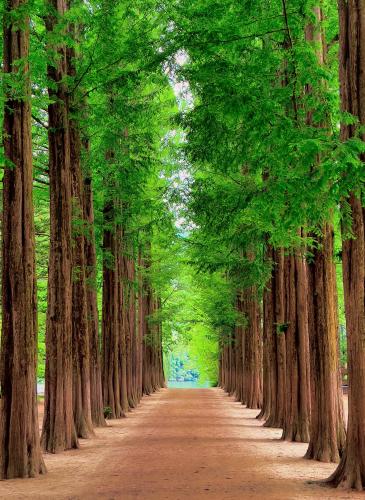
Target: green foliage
(195,121)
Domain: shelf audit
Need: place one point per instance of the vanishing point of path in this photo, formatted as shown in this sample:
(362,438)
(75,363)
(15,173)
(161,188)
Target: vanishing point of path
(181,444)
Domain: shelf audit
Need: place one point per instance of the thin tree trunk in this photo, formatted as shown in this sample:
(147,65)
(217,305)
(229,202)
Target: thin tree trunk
(269,367)
(239,342)
(20,452)
(278,349)
(96,395)
(111,316)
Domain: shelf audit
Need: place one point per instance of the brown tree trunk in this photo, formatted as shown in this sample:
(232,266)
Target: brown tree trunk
(239,343)
(147,308)
(121,314)
(252,351)
(351,470)
(277,344)
(132,333)
(111,316)
(58,425)
(327,424)
(20,452)
(80,326)
(297,404)
(269,369)
(96,395)
(140,328)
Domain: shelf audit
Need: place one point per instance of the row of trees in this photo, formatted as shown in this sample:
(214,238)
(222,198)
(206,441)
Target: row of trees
(275,145)
(82,84)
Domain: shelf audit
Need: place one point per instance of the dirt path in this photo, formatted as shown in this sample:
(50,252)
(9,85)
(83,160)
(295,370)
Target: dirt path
(181,444)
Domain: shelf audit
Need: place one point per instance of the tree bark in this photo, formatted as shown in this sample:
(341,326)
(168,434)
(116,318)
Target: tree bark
(327,424)
(80,325)
(297,403)
(269,364)
(111,315)
(239,345)
(20,452)
(58,426)
(96,395)
(252,351)
(351,470)
(277,343)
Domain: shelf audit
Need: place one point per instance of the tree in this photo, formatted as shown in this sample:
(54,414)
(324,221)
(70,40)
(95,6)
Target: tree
(351,470)
(327,422)
(59,431)
(19,444)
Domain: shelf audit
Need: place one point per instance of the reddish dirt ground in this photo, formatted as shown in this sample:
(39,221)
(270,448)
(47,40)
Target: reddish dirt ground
(181,443)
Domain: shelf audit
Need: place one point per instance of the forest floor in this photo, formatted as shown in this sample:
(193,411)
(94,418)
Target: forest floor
(179,444)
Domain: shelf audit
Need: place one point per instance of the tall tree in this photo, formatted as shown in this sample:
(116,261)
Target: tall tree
(59,431)
(351,470)
(327,421)
(80,324)
(20,453)
(96,395)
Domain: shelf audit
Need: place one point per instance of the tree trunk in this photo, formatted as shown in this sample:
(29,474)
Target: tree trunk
(80,326)
(327,425)
(269,365)
(20,452)
(297,404)
(58,426)
(140,328)
(121,314)
(239,343)
(111,316)
(277,343)
(252,351)
(351,470)
(96,395)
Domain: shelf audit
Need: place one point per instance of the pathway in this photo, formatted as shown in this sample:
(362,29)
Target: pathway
(181,444)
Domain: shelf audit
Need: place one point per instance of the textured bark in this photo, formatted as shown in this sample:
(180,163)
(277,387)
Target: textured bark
(121,314)
(152,364)
(140,328)
(20,452)
(111,316)
(351,470)
(252,351)
(58,425)
(238,345)
(96,395)
(130,304)
(269,364)
(278,349)
(327,424)
(297,403)
(80,324)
